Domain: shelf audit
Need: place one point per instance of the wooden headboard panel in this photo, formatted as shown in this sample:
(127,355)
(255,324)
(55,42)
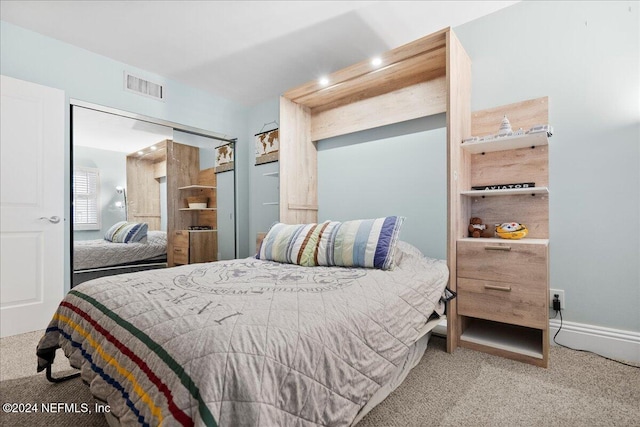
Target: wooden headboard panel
(413,80)
(428,76)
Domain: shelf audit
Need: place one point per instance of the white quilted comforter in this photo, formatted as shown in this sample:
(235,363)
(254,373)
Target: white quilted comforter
(102,253)
(244,342)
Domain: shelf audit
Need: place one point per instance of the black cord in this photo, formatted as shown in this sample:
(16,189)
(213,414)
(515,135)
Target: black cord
(585,351)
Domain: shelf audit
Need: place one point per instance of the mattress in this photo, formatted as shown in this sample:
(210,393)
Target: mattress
(90,254)
(245,342)
(415,353)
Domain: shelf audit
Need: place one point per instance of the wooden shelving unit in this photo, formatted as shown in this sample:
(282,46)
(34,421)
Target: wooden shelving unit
(192,246)
(502,284)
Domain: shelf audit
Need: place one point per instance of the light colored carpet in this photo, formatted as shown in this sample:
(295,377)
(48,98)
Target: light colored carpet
(18,356)
(466,388)
(519,399)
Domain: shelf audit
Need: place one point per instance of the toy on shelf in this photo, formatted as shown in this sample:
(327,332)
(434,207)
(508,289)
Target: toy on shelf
(477,228)
(511,230)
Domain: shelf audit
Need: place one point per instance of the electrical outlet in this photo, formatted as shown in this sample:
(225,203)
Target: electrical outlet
(560,294)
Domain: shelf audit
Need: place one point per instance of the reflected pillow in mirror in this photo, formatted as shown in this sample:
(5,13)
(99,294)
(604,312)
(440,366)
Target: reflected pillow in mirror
(127,232)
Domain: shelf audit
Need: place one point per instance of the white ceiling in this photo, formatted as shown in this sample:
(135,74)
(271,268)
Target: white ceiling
(245,51)
(105,131)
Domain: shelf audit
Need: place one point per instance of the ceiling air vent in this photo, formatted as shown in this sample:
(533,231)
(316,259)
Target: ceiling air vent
(143,87)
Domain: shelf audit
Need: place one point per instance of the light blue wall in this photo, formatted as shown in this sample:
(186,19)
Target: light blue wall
(96,79)
(263,189)
(399,169)
(585,56)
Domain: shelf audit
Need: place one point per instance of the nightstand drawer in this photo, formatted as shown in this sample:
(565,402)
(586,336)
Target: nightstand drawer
(516,303)
(503,261)
(181,239)
(181,255)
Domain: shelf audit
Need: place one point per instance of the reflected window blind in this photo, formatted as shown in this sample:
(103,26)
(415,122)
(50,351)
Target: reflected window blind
(86,194)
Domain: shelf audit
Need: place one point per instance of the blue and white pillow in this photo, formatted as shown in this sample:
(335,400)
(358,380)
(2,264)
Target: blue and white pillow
(366,243)
(127,232)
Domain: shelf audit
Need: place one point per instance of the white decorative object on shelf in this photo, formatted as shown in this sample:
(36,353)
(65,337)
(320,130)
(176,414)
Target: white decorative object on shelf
(535,130)
(505,127)
(542,128)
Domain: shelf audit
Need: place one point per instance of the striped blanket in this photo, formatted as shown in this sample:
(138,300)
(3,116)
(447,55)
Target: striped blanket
(243,342)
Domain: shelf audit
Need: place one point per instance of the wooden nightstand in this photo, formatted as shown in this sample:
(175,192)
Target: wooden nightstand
(192,246)
(503,295)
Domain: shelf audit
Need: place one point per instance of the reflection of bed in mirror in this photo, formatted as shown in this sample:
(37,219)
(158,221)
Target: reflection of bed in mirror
(132,170)
(101,257)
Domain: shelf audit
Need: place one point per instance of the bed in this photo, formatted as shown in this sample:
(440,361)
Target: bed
(249,341)
(101,257)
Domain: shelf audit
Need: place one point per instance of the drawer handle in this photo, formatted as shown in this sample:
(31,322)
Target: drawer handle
(177,249)
(498,248)
(498,288)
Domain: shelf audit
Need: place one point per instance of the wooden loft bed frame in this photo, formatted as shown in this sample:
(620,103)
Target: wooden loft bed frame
(428,76)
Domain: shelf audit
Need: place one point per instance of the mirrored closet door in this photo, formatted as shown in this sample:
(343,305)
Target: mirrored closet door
(147,195)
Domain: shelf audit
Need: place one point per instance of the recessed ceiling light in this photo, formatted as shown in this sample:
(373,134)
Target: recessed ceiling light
(323,81)
(376,62)
(153,148)
(140,153)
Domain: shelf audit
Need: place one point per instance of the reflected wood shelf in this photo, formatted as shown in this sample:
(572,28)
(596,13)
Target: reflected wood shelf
(201,187)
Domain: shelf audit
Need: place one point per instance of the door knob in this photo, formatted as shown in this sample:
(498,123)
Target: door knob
(52,219)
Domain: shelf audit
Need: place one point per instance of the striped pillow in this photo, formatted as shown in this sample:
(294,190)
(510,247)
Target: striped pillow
(367,243)
(127,232)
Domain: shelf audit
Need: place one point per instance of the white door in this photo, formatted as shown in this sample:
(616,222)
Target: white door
(31,205)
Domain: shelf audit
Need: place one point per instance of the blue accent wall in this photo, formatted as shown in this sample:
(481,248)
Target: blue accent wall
(399,169)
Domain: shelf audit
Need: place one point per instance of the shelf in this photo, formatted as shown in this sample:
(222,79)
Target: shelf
(274,174)
(198,209)
(490,240)
(507,143)
(199,187)
(512,338)
(509,192)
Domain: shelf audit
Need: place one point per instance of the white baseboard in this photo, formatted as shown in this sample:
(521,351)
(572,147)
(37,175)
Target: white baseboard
(613,343)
